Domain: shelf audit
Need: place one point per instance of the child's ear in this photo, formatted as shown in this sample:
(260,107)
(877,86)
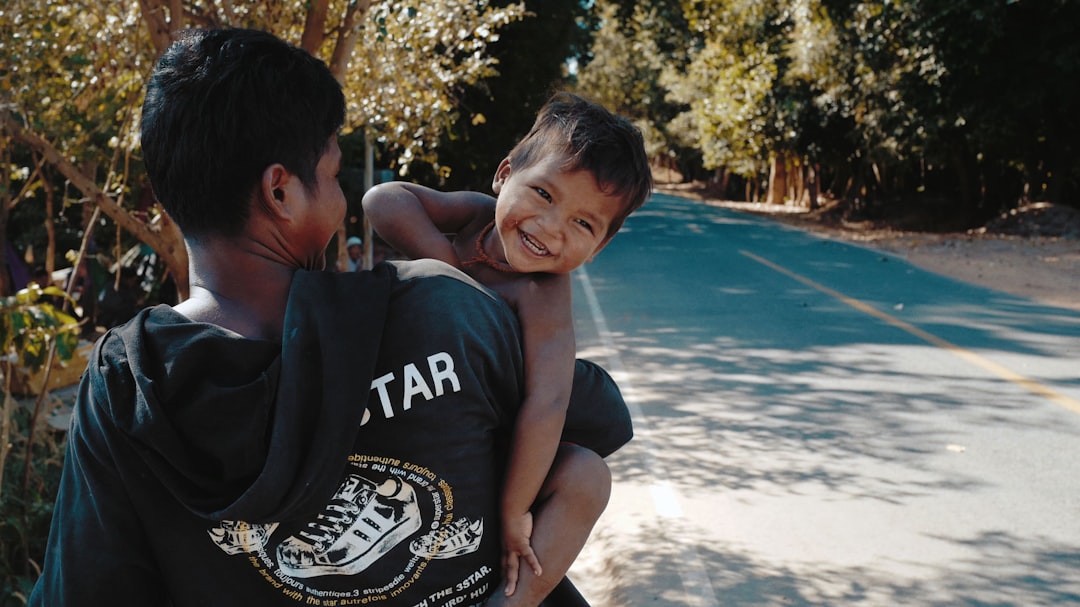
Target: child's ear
(501,175)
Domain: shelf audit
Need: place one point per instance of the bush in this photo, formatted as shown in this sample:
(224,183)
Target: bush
(33,333)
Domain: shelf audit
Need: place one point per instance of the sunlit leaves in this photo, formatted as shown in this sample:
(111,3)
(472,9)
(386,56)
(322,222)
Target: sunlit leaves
(767,76)
(729,83)
(78,66)
(30,322)
(75,71)
(410,64)
(632,47)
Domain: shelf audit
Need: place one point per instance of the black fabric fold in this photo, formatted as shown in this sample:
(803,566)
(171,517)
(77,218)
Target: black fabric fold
(326,370)
(247,429)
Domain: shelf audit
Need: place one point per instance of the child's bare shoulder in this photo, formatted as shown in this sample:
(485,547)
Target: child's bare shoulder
(536,291)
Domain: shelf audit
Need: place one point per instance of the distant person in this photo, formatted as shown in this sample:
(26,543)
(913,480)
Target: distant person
(562,194)
(354,246)
(262,442)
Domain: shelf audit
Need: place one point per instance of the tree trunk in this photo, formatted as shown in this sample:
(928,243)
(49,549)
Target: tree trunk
(777,180)
(153,12)
(5,211)
(315,27)
(348,36)
(795,184)
(725,179)
(176,15)
(50,223)
(369,182)
(966,181)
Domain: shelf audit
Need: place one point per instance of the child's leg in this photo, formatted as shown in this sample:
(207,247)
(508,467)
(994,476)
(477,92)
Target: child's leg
(570,502)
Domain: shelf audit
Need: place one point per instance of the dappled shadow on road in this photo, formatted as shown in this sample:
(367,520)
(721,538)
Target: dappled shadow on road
(760,393)
(773,419)
(768,367)
(1003,570)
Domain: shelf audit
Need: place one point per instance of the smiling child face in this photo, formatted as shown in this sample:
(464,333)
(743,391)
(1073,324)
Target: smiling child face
(549,219)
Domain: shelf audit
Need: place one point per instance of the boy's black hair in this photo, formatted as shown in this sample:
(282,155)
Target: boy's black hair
(220,107)
(592,139)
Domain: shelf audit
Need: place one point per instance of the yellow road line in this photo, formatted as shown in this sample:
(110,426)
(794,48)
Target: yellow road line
(1000,370)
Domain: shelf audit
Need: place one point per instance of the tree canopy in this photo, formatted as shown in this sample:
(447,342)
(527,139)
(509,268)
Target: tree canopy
(494,113)
(73,73)
(968,104)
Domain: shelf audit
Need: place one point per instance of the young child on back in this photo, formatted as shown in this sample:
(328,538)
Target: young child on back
(561,195)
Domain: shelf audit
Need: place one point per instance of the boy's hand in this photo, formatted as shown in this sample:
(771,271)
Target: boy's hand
(517,531)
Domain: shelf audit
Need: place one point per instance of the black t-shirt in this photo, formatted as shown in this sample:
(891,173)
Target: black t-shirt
(355,463)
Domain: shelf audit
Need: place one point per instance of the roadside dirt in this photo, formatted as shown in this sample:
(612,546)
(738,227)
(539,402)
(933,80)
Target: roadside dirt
(1033,252)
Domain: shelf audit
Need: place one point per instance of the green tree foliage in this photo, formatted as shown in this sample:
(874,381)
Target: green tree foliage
(412,63)
(633,45)
(623,73)
(494,113)
(73,71)
(966,104)
(727,85)
(1013,89)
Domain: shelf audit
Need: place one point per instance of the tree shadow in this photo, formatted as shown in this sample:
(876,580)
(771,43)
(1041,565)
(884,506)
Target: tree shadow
(1003,571)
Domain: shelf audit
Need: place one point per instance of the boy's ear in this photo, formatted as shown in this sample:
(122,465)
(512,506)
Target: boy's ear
(273,189)
(501,175)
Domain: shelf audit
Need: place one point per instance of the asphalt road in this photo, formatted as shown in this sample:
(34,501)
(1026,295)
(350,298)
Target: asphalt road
(822,424)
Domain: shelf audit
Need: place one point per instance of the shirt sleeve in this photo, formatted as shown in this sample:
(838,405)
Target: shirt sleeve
(97,550)
(597,417)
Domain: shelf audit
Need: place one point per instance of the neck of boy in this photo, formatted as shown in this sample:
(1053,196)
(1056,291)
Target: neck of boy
(238,290)
(484,240)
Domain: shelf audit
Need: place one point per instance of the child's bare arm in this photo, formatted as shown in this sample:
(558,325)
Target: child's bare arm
(415,220)
(544,311)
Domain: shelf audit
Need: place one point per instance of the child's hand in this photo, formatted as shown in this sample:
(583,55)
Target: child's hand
(517,531)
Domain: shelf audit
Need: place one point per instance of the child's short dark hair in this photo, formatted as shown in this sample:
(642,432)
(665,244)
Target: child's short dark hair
(220,107)
(592,139)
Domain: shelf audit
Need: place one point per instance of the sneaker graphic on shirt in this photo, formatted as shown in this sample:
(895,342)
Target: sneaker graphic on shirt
(362,522)
(461,537)
(238,537)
